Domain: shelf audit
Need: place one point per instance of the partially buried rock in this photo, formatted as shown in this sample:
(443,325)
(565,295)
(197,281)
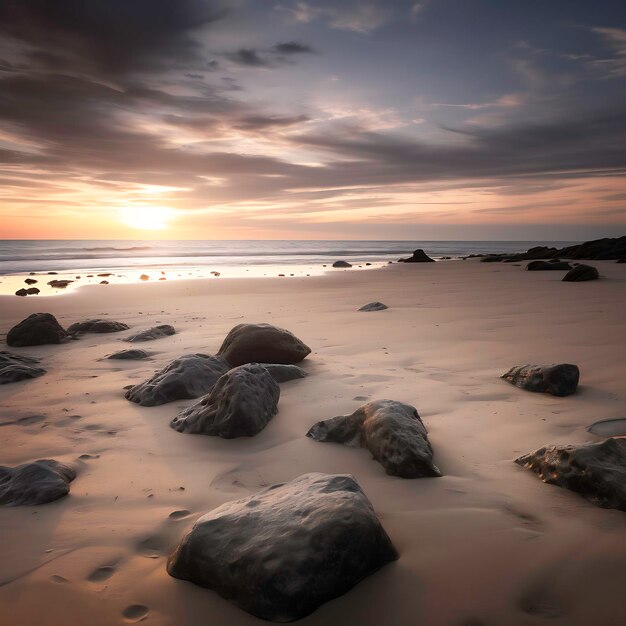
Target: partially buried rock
(419,256)
(581,273)
(374,306)
(240,404)
(342,264)
(559,380)
(262,343)
(97,326)
(285,551)
(37,329)
(284,373)
(15,367)
(156,332)
(189,376)
(35,483)
(595,470)
(392,431)
(535,266)
(132,354)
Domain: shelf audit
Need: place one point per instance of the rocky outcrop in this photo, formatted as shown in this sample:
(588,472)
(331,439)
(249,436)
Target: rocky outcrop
(373,306)
(98,326)
(284,373)
(419,256)
(132,354)
(156,332)
(37,329)
(189,376)
(342,264)
(581,273)
(559,380)
(35,483)
(262,343)
(535,266)
(285,551)
(595,470)
(240,404)
(392,431)
(15,367)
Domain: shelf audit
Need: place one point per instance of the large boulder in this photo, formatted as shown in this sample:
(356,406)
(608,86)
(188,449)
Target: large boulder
(581,273)
(35,483)
(392,431)
(535,266)
(262,343)
(283,373)
(559,380)
(240,404)
(37,329)
(342,264)
(97,326)
(131,354)
(156,332)
(595,470)
(283,552)
(14,367)
(419,256)
(189,376)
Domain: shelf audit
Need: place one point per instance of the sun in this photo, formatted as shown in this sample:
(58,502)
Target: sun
(147,217)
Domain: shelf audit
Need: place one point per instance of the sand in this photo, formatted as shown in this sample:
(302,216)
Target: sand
(488,543)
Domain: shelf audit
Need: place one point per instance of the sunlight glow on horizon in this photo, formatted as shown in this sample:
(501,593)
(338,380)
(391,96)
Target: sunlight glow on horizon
(146,217)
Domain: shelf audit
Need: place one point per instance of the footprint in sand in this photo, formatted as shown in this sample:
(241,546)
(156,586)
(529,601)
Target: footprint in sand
(135,612)
(179,514)
(101,574)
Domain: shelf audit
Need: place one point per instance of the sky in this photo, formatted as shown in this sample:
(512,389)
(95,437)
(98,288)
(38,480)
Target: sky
(289,119)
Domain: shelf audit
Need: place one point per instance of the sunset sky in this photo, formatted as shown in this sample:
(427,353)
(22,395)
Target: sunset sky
(439,119)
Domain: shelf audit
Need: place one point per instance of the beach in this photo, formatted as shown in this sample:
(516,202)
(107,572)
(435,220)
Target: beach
(487,543)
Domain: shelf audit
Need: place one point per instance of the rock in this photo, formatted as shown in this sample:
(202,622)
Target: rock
(392,431)
(156,332)
(559,380)
(284,373)
(262,343)
(240,404)
(103,282)
(132,354)
(15,367)
(35,483)
(283,552)
(144,277)
(30,281)
(419,256)
(37,329)
(342,264)
(105,274)
(59,284)
(534,266)
(97,326)
(374,306)
(581,273)
(621,260)
(21,292)
(189,376)
(595,470)
(32,291)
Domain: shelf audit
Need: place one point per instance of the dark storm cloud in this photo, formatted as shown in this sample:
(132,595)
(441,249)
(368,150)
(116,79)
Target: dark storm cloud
(264,122)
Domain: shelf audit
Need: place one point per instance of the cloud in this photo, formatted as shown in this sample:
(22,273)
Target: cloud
(359,16)
(249,57)
(292,47)
(615,66)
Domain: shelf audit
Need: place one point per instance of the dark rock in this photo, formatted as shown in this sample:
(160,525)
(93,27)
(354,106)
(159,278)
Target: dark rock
(97,326)
(392,431)
(35,483)
(581,273)
(104,282)
(32,291)
(342,264)
(15,367)
(621,260)
(534,266)
(419,256)
(262,343)
(53,273)
(282,553)
(59,284)
(284,373)
(37,329)
(240,404)
(189,376)
(595,470)
(105,274)
(156,332)
(30,281)
(21,292)
(132,354)
(374,306)
(559,380)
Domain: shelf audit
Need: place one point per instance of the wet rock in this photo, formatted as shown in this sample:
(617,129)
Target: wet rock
(156,332)
(97,326)
(595,470)
(262,343)
(35,483)
(189,376)
(374,306)
(105,274)
(32,291)
(284,373)
(581,273)
(419,256)
(284,551)
(392,431)
(59,284)
(559,380)
(342,264)
(103,282)
(240,404)
(21,292)
(15,367)
(535,266)
(37,329)
(30,281)
(131,354)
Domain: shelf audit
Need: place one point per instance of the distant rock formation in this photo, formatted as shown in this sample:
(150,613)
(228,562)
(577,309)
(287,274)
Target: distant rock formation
(419,256)
(342,264)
